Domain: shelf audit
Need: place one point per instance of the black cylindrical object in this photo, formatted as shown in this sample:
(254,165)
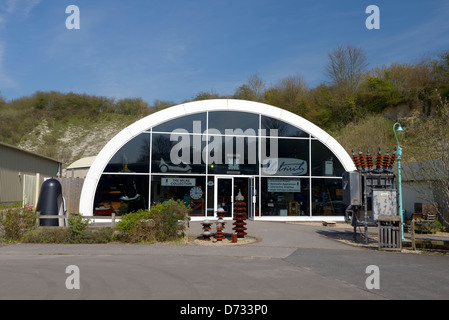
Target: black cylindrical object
(50,202)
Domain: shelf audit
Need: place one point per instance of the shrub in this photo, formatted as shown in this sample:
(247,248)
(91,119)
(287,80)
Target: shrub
(161,223)
(15,222)
(76,232)
(46,235)
(77,226)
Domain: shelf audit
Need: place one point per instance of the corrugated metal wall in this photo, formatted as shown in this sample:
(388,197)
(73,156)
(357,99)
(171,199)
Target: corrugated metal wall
(14,164)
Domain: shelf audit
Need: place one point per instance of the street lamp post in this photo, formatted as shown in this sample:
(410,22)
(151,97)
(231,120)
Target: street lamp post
(399,130)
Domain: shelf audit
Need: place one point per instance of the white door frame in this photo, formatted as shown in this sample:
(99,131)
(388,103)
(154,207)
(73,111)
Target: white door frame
(217,178)
(250,198)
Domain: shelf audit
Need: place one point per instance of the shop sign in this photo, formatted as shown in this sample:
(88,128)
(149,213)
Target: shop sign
(284,185)
(178,182)
(284,167)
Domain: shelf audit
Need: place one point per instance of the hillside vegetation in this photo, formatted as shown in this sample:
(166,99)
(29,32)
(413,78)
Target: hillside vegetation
(357,105)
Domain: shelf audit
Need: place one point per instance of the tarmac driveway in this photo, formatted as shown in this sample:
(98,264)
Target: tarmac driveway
(290,262)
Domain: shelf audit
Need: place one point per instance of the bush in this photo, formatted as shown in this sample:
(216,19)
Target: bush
(46,235)
(15,222)
(63,235)
(77,232)
(161,223)
(77,226)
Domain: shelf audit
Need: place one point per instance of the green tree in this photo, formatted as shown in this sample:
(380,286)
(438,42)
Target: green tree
(132,107)
(440,71)
(290,93)
(378,95)
(252,90)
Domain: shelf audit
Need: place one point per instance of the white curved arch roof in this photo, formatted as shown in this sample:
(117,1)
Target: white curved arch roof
(111,148)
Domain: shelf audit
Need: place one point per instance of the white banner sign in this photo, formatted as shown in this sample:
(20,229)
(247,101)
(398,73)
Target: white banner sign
(178,182)
(284,185)
(284,167)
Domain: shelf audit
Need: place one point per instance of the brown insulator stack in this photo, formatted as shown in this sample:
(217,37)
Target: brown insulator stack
(362,160)
(356,160)
(379,160)
(386,160)
(392,160)
(206,230)
(240,217)
(219,236)
(369,160)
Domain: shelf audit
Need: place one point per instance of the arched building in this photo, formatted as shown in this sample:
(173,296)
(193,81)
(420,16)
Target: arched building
(207,152)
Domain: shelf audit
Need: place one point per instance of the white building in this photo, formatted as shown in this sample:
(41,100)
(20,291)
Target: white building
(207,152)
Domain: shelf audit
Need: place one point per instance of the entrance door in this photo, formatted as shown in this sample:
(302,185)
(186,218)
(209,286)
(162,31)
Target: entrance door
(228,188)
(224,196)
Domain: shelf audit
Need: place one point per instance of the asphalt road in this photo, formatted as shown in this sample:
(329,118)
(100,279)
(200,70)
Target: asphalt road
(290,262)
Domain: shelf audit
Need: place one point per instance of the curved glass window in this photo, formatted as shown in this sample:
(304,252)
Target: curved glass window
(234,123)
(190,190)
(283,129)
(134,156)
(292,157)
(121,194)
(233,155)
(327,196)
(195,123)
(324,162)
(177,153)
(285,196)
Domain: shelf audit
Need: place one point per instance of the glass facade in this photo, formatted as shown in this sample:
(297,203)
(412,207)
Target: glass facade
(208,158)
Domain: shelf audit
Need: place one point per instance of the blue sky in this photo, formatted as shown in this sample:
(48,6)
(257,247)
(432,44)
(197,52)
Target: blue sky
(172,50)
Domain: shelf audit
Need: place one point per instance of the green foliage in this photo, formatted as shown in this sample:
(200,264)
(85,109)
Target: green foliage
(20,116)
(67,236)
(360,135)
(440,70)
(46,235)
(77,225)
(15,222)
(379,95)
(351,94)
(158,224)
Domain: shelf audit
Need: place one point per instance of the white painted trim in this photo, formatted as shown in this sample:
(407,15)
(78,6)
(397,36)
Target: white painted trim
(111,148)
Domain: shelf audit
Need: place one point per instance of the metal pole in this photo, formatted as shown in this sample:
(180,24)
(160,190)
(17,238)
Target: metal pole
(399,156)
(401,211)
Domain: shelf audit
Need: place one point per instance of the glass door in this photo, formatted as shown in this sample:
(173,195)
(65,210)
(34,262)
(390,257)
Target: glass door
(228,188)
(224,196)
